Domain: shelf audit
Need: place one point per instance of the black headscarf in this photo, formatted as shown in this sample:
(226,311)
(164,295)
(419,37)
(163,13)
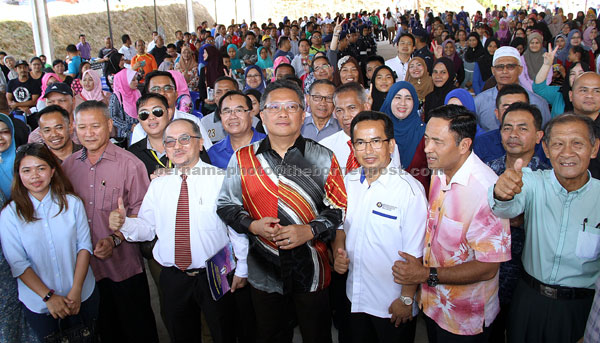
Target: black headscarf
(472,54)
(436,98)
(485,61)
(376,94)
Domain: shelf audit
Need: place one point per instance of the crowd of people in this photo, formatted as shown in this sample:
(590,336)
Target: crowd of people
(456,181)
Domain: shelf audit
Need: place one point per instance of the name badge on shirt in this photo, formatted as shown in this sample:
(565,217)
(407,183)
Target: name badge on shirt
(387,208)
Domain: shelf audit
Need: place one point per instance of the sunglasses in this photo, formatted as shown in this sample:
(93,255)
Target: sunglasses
(157,112)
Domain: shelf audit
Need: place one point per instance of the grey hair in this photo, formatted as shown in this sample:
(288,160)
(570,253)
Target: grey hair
(282,84)
(359,90)
(195,127)
(92,105)
(568,118)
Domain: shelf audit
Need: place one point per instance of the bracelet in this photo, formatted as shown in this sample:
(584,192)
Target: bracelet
(48,296)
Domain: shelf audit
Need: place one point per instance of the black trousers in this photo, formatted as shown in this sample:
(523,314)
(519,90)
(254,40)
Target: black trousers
(186,298)
(367,328)
(536,318)
(275,312)
(438,335)
(340,306)
(125,311)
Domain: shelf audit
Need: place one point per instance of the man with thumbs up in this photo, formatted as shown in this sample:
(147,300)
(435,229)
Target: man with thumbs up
(561,253)
(378,224)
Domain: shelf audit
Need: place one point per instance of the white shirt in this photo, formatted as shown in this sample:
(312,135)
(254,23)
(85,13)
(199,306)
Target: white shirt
(128,53)
(338,143)
(139,133)
(398,66)
(378,224)
(208,233)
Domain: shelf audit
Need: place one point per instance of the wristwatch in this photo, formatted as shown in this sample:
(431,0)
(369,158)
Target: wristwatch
(433,280)
(406,300)
(116,240)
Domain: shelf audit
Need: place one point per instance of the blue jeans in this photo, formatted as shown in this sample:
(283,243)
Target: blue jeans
(44,324)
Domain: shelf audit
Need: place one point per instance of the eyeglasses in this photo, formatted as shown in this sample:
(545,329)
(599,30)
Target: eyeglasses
(157,112)
(237,111)
(501,67)
(184,139)
(322,67)
(165,89)
(277,107)
(375,143)
(319,98)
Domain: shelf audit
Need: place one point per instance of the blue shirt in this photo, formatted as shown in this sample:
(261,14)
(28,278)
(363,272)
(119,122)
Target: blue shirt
(49,246)
(310,130)
(488,146)
(220,153)
(485,103)
(562,229)
(74,66)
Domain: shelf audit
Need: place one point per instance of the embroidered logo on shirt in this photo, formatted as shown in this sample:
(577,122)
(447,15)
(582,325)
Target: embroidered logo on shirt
(386,207)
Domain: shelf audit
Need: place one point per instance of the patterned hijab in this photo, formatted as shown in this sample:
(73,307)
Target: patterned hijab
(128,96)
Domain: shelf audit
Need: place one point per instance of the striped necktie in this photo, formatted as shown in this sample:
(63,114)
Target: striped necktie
(183,252)
(352,163)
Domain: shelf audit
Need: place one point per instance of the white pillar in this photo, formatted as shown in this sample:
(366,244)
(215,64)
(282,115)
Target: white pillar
(41,29)
(190,16)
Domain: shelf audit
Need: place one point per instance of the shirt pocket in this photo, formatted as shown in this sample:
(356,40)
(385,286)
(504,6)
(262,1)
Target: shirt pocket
(111,198)
(588,245)
(450,234)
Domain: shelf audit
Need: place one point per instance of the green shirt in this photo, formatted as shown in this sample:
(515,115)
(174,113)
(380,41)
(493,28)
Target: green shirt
(557,249)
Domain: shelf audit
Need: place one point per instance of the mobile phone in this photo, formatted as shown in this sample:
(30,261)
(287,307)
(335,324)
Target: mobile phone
(210,93)
(142,63)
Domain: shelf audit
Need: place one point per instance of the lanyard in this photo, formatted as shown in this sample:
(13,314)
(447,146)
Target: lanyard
(159,161)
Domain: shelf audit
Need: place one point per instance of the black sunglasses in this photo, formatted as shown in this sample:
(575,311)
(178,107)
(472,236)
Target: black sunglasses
(157,112)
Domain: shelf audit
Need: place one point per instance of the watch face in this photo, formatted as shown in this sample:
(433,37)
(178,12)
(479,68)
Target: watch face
(407,301)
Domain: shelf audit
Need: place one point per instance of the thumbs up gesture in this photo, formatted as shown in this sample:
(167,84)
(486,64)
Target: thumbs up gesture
(510,182)
(116,219)
(341,261)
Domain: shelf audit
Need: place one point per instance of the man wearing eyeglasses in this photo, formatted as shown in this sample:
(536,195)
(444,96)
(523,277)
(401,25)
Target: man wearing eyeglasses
(286,193)
(163,83)
(506,68)
(377,225)
(235,112)
(179,210)
(320,123)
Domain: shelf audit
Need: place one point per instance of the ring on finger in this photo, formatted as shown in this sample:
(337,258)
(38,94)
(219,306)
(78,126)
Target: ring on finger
(289,242)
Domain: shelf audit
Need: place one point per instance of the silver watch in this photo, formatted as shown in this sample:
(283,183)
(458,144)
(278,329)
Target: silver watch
(406,300)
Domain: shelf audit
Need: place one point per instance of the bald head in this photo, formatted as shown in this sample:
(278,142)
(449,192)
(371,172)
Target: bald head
(585,94)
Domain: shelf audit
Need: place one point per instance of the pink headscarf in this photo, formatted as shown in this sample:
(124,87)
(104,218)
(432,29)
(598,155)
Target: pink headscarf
(45,79)
(502,32)
(96,92)
(128,96)
(277,62)
(587,40)
(180,83)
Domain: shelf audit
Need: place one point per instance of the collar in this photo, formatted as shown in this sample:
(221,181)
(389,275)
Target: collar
(309,120)
(359,175)
(36,203)
(149,148)
(463,173)
(265,145)
(558,188)
(109,153)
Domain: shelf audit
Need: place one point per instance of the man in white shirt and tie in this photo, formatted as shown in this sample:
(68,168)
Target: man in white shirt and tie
(189,232)
(349,100)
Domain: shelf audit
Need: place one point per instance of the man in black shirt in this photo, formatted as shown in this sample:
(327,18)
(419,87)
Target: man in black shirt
(422,49)
(159,51)
(22,93)
(105,53)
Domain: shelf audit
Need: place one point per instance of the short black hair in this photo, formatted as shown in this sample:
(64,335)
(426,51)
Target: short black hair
(303,40)
(57,61)
(293,78)
(141,101)
(388,125)
(71,48)
(523,106)
(312,66)
(462,121)
(284,65)
(283,84)
(249,33)
(125,38)
(406,34)
(232,93)
(227,78)
(35,58)
(92,105)
(52,109)
(155,73)
(282,40)
(569,118)
(353,87)
(510,89)
(171,46)
(374,58)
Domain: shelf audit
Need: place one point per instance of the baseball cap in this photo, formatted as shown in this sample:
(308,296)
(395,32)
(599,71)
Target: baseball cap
(419,32)
(327,38)
(506,51)
(21,62)
(59,87)
(265,37)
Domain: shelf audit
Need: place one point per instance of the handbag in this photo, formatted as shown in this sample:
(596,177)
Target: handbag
(80,333)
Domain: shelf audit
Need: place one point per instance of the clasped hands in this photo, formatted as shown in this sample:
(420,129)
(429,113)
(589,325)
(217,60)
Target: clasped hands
(285,237)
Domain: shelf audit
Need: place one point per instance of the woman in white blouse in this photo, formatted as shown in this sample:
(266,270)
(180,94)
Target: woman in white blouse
(46,240)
